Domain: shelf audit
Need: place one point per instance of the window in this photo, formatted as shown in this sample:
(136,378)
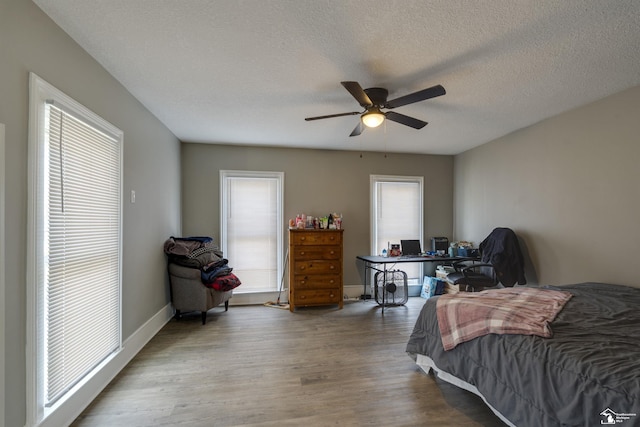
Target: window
(251,236)
(397,214)
(74,245)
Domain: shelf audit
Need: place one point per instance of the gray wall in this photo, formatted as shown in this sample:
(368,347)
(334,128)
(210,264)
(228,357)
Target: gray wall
(30,41)
(569,186)
(316,182)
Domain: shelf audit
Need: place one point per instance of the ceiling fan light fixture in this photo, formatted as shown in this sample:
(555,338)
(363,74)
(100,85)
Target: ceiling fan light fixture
(373,118)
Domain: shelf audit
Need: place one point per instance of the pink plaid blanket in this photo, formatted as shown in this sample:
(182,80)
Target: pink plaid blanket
(527,311)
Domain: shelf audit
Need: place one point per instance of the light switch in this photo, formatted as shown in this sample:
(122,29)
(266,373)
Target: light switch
(133,196)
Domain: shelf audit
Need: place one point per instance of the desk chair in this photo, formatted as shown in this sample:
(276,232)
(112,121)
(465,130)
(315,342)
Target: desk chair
(501,263)
(473,277)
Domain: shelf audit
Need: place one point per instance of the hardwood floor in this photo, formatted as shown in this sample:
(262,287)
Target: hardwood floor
(264,366)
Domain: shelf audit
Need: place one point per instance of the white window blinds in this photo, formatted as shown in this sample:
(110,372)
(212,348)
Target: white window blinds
(252,227)
(397,214)
(80,269)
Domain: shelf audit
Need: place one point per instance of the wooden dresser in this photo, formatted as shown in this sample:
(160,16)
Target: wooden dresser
(315,272)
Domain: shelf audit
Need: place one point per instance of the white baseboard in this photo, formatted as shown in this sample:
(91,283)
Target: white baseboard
(73,406)
(350,292)
(354,291)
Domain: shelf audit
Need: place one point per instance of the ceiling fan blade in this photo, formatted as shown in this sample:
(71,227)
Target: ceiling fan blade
(421,95)
(405,120)
(353,113)
(358,93)
(358,129)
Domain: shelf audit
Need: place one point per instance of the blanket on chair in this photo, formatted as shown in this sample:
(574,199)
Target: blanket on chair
(527,311)
(224,283)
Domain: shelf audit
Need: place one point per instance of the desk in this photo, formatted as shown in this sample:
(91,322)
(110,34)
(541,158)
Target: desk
(370,261)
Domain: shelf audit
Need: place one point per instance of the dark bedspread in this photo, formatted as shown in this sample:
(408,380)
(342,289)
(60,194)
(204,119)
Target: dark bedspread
(590,366)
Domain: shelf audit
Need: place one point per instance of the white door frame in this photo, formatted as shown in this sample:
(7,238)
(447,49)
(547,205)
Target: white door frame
(2,278)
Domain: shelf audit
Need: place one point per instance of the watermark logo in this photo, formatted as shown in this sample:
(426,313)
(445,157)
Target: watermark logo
(611,418)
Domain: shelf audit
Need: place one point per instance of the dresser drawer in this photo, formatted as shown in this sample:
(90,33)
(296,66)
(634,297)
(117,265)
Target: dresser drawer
(317,281)
(316,238)
(317,296)
(317,267)
(317,252)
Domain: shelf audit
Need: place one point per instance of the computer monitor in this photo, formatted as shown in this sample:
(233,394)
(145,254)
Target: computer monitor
(410,247)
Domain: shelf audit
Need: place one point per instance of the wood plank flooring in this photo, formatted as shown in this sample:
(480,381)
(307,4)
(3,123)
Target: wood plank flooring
(264,366)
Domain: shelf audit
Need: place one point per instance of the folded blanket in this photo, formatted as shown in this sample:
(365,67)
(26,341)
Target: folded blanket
(527,311)
(190,247)
(215,265)
(225,283)
(198,262)
(180,247)
(211,275)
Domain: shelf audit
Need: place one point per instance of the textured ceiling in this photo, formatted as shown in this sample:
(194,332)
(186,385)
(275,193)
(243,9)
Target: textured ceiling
(250,71)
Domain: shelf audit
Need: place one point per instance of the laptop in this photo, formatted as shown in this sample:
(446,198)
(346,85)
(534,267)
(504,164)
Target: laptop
(411,247)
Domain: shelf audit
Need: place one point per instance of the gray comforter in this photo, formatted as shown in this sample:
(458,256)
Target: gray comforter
(587,374)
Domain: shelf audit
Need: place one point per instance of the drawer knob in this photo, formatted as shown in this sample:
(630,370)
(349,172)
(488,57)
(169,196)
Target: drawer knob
(331,267)
(331,281)
(302,268)
(332,252)
(331,295)
(302,238)
(302,253)
(302,296)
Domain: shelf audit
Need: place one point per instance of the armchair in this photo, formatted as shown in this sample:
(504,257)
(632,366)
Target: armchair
(189,294)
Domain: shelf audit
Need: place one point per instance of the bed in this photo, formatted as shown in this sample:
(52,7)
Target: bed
(587,373)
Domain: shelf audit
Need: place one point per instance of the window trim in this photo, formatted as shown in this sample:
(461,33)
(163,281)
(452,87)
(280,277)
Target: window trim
(373,235)
(41,92)
(393,178)
(279,177)
(3,381)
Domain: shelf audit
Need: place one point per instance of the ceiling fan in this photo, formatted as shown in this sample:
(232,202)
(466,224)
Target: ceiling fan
(374,99)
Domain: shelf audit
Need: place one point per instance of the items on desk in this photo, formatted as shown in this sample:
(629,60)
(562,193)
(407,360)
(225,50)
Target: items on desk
(453,249)
(437,254)
(411,247)
(464,244)
(439,245)
(468,252)
(395,250)
(462,248)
